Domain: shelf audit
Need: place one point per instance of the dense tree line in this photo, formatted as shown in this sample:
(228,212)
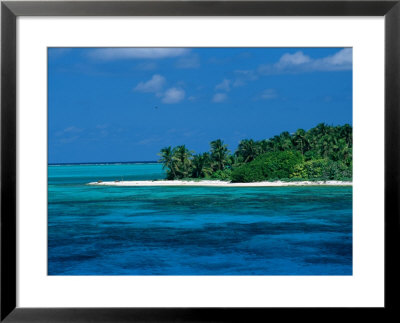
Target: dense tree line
(321,153)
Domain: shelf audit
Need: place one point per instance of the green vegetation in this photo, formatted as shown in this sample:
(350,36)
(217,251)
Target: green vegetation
(321,153)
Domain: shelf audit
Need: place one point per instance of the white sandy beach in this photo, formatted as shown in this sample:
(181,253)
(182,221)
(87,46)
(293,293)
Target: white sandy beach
(217,183)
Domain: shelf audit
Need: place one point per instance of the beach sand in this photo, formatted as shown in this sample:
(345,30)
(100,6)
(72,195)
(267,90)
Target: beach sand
(217,183)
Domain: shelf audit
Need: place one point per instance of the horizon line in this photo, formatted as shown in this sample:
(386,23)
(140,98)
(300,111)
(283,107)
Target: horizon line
(105,162)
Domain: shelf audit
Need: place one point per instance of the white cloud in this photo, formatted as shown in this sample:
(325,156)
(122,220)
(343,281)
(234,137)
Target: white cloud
(191,61)
(268,94)
(244,76)
(293,59)
(343,58)
(219,97)
(155,84)
(173,95)
(301,63)
(224,85)
(136,53)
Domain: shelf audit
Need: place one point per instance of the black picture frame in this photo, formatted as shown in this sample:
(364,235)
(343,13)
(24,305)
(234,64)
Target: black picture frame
(10,10)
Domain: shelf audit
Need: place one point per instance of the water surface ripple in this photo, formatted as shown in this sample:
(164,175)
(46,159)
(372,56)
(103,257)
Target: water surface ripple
(100,230)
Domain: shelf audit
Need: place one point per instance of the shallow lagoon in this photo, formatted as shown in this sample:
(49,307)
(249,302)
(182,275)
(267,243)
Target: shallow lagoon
(99,230)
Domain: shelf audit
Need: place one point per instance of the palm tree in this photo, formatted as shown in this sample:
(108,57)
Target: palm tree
(235,160)
(300,139)
(346,132)
(276,143)
(201,165)
(286,140)
(182,158)
(321,129)
(265,146)
(313,137)
(248,149)
(333,143)
(219,154)
(341,151)
(167,160)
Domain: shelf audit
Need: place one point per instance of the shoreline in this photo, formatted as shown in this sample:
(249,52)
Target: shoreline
(216,183)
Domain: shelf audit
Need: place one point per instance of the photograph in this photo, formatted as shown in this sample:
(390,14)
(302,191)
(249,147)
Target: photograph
(217,161)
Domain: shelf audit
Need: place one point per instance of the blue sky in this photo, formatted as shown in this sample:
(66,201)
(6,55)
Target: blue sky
(125,104)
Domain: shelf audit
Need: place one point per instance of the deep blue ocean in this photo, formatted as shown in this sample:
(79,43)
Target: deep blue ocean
(99,230)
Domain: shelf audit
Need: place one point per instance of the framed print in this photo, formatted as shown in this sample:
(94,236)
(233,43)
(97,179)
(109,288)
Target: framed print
(198,161)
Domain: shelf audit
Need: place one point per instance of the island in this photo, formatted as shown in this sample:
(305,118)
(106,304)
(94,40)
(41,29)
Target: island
(320,156)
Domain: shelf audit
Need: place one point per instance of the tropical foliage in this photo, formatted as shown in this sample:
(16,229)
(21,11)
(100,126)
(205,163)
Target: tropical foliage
(321,153)
(270,166)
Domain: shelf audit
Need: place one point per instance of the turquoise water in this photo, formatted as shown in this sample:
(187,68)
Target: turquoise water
(98,230)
